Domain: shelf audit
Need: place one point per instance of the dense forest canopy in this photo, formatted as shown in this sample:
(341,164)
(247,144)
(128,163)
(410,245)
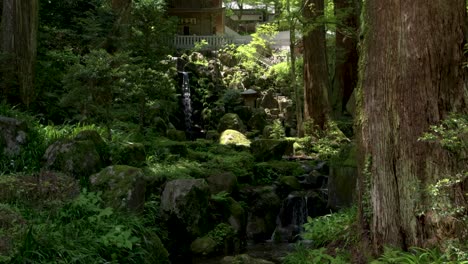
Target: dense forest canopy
(103,119)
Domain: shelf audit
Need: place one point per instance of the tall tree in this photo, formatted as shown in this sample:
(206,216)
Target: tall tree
(19,41)
(316,82)
(346,62)
(411,79)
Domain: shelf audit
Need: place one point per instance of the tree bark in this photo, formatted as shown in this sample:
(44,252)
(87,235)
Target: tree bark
(346,62)
(410,78)
(316,83)
(19,40)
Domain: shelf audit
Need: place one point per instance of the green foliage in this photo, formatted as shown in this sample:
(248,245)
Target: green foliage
(451,134)
(222,233)
(325,143)
(277,130)
(200,45)
(302,255)
(417,256)
(82,231)
(325,229)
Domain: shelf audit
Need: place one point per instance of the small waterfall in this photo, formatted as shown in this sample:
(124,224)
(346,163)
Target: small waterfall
(292,216)
(187,102)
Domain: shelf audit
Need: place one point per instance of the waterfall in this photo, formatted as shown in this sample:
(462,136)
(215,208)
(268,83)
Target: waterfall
(292,216)
(187,103)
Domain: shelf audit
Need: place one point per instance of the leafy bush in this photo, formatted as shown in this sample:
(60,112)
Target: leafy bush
(82,231)
(325,229)
(417,256)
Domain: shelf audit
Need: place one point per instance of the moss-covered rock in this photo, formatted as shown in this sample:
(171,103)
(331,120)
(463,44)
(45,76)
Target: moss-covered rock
(156,249)
(289,182)
(212,135)
(233,137)
(123,187)
(258,121)
(101,146)
(268,149)
(159,126)
(343,177)
(128,153)
(13,135)
(226,182)
(265,205)
(73,157)
(184,210)
(230,121)
(41,188)
(203,246)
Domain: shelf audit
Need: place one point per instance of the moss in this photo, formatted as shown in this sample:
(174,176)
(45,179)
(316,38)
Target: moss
(123,187)
(176,135)
(290,181)
(233,137)
(203,246)
(267,149)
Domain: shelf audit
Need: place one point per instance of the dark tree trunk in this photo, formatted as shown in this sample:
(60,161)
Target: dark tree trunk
(19,41)
(346,63)
(411,78)
(316,83)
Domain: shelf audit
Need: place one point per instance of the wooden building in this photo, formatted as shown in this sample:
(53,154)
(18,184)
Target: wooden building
(198,17)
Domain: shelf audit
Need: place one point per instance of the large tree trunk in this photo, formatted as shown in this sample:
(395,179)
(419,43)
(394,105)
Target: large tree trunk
(316,83)
(411,78)
(19,41)
(346,62)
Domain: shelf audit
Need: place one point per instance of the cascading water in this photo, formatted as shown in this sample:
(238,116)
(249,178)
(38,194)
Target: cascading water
(292,216)
(187,103)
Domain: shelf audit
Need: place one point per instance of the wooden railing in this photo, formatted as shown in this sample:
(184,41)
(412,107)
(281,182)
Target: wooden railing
(188,42)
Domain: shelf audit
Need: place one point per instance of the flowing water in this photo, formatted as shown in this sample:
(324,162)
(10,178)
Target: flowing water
(187,102)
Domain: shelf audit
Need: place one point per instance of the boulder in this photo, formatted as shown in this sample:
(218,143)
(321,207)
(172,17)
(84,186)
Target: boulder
(123,187)
(258,120)
(101,146)
(268,149)
(184,205)
(129,153)
(261,220)
(203,246)
(212,135)
(74,157)
(233,137)
(244,259)
(269,101)
(222,182)
(230,121)
(13,135)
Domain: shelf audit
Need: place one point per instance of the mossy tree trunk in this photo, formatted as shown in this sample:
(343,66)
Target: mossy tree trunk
(346,62)
(19,41)
(316,83)
(411,77)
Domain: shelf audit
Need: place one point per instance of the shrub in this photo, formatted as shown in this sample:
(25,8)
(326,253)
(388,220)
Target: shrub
(325,229)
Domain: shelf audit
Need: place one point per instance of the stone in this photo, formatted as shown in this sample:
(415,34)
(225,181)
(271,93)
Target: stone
(261,220)
(203,246)
(268,149)
(123,187)
(184,205)
(12,224)
(230,121)
(101,146)
(233,137)
(258,120)
(13,135)
(269,101)
(74,157)
(159,126)
(129,153)
(226,182)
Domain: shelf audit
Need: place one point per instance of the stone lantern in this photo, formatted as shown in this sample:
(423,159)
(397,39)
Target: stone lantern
(250,97)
